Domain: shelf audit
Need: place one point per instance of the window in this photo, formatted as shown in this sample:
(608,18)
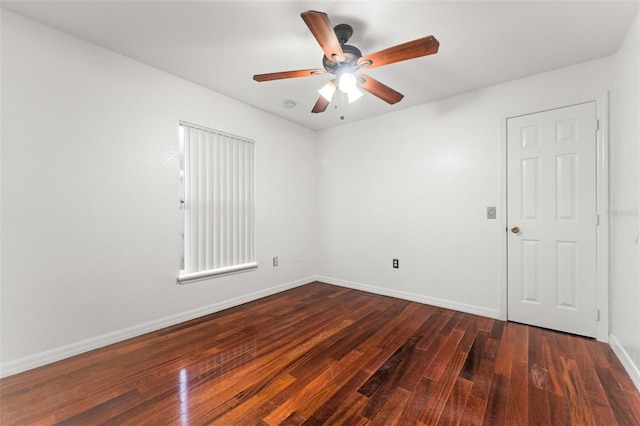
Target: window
(216,203)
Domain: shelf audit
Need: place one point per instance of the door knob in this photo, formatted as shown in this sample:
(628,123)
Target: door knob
(515,229)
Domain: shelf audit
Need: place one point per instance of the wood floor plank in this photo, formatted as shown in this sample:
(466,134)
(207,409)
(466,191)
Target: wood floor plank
(579,409)
(453,409)
(390,374)
(320,354)
(438,321)
(633,399)
(391,412)
(521,343)
(496,411)
(86,412)
(452,323)
(553,365)
(443,389)
(418,401)
(349,412)
(614,364)
(326,413)
(470,327)
(474,356)
(616,398)
(506,353)
(595,395)
(294,419)
(539,412)
(309,398)
(239,383)
(441,361)
(484,375)
(518,399)
(235,415)
(393,335)
(559,410)
(473,411)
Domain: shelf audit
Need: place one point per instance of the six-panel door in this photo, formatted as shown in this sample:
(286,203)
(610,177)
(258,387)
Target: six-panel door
(551,203)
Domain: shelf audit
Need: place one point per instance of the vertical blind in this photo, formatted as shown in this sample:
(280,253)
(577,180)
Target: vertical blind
(217,199)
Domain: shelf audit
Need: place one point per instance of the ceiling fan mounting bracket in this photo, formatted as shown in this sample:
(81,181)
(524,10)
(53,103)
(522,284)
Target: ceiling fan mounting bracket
(343,32)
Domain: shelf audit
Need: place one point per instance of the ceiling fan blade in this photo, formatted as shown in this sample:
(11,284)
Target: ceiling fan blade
(321,105)
(380,90)
(320,26)
(287,74)
(409,50)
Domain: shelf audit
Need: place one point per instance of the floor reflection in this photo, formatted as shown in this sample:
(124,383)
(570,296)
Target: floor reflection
(184,398)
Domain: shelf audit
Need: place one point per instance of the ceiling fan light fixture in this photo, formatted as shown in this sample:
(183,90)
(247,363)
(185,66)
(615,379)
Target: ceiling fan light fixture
(354,94)
(328,90)
(347,82)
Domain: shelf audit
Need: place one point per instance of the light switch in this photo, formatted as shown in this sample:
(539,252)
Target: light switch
(491,212)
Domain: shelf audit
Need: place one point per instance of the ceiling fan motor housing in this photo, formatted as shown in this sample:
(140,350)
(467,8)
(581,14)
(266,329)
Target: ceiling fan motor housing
(351,53)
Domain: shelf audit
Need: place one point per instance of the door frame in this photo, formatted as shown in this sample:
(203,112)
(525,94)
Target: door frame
(602,201)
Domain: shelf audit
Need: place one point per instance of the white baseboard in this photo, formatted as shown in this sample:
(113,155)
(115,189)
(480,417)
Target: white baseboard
(442,303)
(57,354)
(626,360)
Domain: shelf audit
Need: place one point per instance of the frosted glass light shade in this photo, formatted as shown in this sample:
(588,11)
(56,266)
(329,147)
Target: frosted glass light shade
(328,90)
(347,82)
(354,94)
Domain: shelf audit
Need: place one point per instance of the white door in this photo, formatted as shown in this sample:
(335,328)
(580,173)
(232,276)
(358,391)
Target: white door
(551,210)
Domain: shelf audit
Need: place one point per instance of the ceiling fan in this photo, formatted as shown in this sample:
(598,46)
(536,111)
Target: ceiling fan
(345,61)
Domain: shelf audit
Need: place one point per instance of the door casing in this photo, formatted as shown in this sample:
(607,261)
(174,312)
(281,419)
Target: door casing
(602,202)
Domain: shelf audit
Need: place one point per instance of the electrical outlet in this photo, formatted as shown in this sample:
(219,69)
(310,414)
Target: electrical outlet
(491,212)
(395,264)
(275,261)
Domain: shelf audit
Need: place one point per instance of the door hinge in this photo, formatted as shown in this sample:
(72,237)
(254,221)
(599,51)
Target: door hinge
(597,125)
(597,220)
(597,314)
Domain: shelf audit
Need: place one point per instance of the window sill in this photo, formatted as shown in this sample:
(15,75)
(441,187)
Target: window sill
(215,273)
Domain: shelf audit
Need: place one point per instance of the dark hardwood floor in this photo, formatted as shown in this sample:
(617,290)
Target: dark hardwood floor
(320,354)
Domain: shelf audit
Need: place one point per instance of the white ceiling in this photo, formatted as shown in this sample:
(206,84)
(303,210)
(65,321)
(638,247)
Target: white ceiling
(222,44)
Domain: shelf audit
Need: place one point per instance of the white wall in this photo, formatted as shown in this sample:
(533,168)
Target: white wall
(90,247)
(625,204)
(415,184)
